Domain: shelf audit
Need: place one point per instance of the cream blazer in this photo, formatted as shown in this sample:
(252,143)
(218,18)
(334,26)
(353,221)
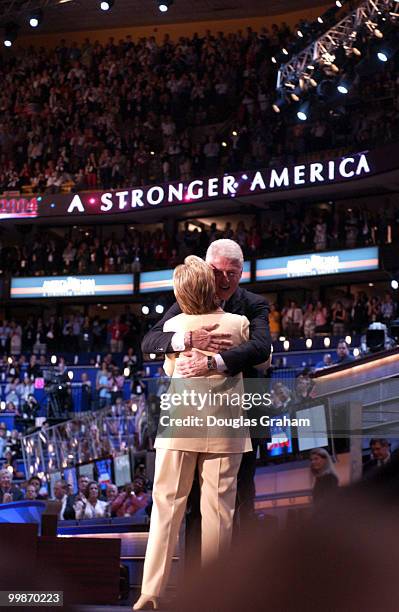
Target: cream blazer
(203,436)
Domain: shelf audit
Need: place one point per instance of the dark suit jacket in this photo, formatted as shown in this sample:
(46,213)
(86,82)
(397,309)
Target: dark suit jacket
(69,512)
(17,494)
(238,359)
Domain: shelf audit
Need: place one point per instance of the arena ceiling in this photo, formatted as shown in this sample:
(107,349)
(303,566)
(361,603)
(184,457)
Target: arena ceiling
(73,15)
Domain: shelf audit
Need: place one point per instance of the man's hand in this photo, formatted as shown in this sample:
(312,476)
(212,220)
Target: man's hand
(192,363)
(7,498)
(204,340)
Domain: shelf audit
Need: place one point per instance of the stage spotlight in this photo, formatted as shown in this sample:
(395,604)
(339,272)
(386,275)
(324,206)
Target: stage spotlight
(382,56)
(164,6)
(343,88)
(10,34)
(106,5)
(145,310)
(303,112)
(36,18)
(159,309)
(394,282)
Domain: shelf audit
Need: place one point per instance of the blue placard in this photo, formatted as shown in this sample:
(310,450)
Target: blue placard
(162,280)
(317,264)
(71,286)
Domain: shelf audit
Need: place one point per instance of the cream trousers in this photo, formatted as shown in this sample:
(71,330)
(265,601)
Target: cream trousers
(174,474)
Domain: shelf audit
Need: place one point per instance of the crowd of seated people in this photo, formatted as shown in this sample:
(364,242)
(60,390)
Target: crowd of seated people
(82,252)
(90,501)
(134,112)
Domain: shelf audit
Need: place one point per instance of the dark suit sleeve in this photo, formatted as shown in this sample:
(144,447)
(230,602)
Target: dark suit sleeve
(158,341)
(17,494)
(257,349)
(69,512)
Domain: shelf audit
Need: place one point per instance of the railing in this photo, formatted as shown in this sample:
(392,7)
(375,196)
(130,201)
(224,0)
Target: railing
(86,437)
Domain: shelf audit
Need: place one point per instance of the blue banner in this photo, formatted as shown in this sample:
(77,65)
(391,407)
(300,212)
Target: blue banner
(71,286)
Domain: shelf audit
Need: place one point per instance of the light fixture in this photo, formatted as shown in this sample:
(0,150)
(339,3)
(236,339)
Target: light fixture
(126,372)
(320,19)
(300,34)
(286,345)
(274,61)
(282,338)
(164,5)
(348,339)
(356,352)
(35,18)
(53,359)
(338,3)
(382,56)
(10,34)
(309,343)
(145,310)
(106,5)
(153,356)
(343,87)
(303,112)
(159,309)
(394,283)
(70,374)
(327,342)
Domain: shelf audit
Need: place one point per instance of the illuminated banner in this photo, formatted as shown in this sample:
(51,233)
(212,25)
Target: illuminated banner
(241,184)
(161,280)
(314,264)
(72,286)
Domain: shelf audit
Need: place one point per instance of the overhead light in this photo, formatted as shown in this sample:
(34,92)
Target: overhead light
(382,56)
(343,88)
(159,309)
(35,18)
(106,5)
(303,112)
(10,34)
(145,310)
(164,5)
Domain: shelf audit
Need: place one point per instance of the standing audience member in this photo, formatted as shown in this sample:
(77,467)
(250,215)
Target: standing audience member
(325,476)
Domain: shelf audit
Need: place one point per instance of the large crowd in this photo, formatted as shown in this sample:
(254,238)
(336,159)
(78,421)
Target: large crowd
(81,251)
(132,112)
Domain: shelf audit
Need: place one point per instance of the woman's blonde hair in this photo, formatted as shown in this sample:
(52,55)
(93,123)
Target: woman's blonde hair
(194,286)
(329,466)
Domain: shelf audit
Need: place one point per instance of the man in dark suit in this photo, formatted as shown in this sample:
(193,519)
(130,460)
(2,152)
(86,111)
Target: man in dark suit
(381,455)
(226,259)
(8,493)
(61,493)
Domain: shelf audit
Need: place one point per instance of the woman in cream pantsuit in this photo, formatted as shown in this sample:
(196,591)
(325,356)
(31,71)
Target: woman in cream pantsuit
(218,457)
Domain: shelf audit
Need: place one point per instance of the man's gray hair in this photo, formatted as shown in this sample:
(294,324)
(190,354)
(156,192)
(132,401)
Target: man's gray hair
(225,248)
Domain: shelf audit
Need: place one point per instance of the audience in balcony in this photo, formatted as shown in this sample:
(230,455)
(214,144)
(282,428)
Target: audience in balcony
(117,114)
